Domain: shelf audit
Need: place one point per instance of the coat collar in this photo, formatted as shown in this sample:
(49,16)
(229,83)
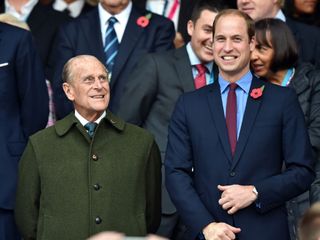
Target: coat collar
(63,126)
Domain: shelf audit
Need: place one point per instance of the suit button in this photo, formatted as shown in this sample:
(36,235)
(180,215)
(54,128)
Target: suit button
(232,174)
(96,187)
(94,157)
(98,220)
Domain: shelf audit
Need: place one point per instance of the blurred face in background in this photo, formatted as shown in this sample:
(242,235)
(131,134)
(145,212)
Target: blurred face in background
(305,6)
(114,6)
(261,58)
(258,9)
(201,35)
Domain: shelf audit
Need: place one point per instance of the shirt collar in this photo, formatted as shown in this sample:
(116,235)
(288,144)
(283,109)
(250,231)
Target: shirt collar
(244,83)
(194,60)
(84,121)
(74,7)
(280,16)
(25,9)
(122,17)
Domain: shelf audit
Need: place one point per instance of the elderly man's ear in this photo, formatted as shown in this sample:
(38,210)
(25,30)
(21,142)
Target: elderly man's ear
(68,90)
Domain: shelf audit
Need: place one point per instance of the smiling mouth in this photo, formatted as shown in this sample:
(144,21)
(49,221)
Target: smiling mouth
(229,58)
(98,96)
(208,47)
(257,67)
(247,10)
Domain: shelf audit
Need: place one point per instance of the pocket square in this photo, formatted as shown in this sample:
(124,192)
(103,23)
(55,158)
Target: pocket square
(4,64)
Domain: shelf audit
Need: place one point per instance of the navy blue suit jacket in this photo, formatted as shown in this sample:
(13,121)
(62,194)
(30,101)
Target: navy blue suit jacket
(83,36)
(199,158)
(23,104)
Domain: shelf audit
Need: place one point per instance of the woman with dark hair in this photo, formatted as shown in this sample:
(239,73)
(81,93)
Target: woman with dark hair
(306,11)
(275,58)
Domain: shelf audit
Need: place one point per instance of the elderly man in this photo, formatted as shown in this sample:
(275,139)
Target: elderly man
(227,144)
(91,172)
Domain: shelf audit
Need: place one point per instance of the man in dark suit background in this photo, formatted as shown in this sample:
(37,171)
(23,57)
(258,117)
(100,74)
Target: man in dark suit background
(42,20)
(137,33)
(157,82)
(24,110)
(183,10)
(307,37)
(227,144)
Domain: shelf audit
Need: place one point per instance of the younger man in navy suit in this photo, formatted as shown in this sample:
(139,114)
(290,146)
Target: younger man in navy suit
(227,144)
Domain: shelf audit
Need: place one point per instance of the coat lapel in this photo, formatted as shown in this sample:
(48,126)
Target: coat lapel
(184,70)
(252,108)
(90,25)
(216,109)
(128,43)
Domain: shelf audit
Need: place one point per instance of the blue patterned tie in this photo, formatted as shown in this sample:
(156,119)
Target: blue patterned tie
(111,44)
(91,127)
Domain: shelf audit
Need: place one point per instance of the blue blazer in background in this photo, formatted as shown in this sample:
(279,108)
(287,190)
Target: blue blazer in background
(23,104)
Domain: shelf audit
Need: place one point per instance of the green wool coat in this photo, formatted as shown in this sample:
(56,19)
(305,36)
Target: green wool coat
(71,187)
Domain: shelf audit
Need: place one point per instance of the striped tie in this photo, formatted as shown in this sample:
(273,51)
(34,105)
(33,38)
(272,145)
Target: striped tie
(111,44)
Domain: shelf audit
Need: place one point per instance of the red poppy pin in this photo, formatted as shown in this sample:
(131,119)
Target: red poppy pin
(257,92)
(143,21)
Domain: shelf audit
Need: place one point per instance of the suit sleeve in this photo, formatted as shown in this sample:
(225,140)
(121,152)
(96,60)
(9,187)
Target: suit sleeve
(314,132)
(179,172)
(61,52)
(164,36)
(32,89)
(28,194)
(298,175)
(140,92)
(153,182)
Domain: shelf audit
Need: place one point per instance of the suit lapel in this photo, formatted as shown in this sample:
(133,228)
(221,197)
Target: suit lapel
(184,70)
(90,25)
(128,43)
(216,109)
(252,108)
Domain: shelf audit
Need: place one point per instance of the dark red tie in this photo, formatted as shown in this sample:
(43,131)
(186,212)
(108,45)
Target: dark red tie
(200,79)
(231,116)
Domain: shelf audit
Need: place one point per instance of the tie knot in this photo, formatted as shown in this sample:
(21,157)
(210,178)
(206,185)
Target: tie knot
(233,86)
(201,68)
(90,126)
(112,21)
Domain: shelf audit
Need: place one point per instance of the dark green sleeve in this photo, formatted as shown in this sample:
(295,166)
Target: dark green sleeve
(28,194)
(153,187)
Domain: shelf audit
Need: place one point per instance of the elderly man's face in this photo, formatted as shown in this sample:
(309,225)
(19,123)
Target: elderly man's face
(232,47)
(259,9)
(89,88)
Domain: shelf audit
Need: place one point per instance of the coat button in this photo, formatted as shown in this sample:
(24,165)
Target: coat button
(232,174)
(94,157)
(96,187)
(98,220)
